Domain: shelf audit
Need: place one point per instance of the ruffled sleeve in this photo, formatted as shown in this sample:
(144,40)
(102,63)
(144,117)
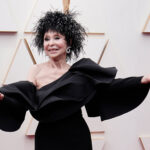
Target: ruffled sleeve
(118,97)
(94,72)
(16,102)
(113,97)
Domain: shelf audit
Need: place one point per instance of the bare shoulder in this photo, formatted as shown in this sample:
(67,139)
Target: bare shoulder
(33,71)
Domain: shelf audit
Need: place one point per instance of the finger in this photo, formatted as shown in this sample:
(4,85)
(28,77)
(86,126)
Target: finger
(145,80)
(1,96)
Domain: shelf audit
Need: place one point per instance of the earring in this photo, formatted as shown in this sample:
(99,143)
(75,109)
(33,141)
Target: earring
(68,50)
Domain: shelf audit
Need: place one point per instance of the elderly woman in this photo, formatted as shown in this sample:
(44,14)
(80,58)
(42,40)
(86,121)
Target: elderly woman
(55,91)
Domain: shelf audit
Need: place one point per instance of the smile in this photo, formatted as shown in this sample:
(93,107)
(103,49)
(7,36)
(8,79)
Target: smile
(52,50)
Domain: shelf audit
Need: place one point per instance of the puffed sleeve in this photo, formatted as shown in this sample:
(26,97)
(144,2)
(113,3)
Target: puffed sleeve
(118,97)
(17,100)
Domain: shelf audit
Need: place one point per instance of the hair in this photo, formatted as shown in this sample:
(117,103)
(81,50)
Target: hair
(65,24)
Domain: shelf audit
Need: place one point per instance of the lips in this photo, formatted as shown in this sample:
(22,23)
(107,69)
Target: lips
(52,50)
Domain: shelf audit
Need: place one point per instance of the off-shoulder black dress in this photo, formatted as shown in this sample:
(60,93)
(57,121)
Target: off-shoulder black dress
(57,105)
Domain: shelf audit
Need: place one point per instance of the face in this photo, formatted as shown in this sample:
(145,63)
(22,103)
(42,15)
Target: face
(55,45)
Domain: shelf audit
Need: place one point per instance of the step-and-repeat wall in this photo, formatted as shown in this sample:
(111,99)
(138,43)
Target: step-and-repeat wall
(118,35)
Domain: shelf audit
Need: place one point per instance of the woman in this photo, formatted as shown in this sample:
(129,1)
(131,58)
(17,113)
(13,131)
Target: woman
(55,91)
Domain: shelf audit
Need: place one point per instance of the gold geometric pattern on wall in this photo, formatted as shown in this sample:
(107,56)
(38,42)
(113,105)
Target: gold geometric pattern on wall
(88,16)
(98,142)
(94,123)
(29,51)
(21,45)
(146,28)
(38,11)
(95,27)
(145,141)
(11,62)
(8,24)
(66,4)
(95,47)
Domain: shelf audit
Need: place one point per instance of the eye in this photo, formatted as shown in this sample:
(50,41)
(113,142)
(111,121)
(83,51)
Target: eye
(46,39)
(57,37)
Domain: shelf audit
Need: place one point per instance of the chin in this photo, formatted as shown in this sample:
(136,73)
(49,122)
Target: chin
(57,56)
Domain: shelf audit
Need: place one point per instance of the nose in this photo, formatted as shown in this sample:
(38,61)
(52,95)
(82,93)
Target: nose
(51,42)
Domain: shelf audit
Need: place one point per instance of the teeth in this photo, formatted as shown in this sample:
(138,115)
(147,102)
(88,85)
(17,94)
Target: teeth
(52,50)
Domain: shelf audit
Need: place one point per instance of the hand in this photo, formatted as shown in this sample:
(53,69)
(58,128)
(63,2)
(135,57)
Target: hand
(145,79)
(1,96)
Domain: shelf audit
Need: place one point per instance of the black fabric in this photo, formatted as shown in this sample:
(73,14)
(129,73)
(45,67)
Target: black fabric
(16,102)
(70,133)
(117,98)
(85,84)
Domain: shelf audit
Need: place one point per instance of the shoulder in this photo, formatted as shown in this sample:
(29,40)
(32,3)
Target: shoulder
(33,71)
(37,67)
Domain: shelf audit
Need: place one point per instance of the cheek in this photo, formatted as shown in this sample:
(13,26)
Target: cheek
(45,45)
(63,45)
(46,52)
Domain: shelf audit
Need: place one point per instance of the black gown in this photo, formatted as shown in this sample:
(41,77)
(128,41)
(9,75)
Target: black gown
(57,105)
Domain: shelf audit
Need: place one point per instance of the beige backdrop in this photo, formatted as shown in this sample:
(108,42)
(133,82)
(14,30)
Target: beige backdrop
(120,21)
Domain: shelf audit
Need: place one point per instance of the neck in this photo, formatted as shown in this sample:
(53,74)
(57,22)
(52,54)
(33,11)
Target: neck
(58,63)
